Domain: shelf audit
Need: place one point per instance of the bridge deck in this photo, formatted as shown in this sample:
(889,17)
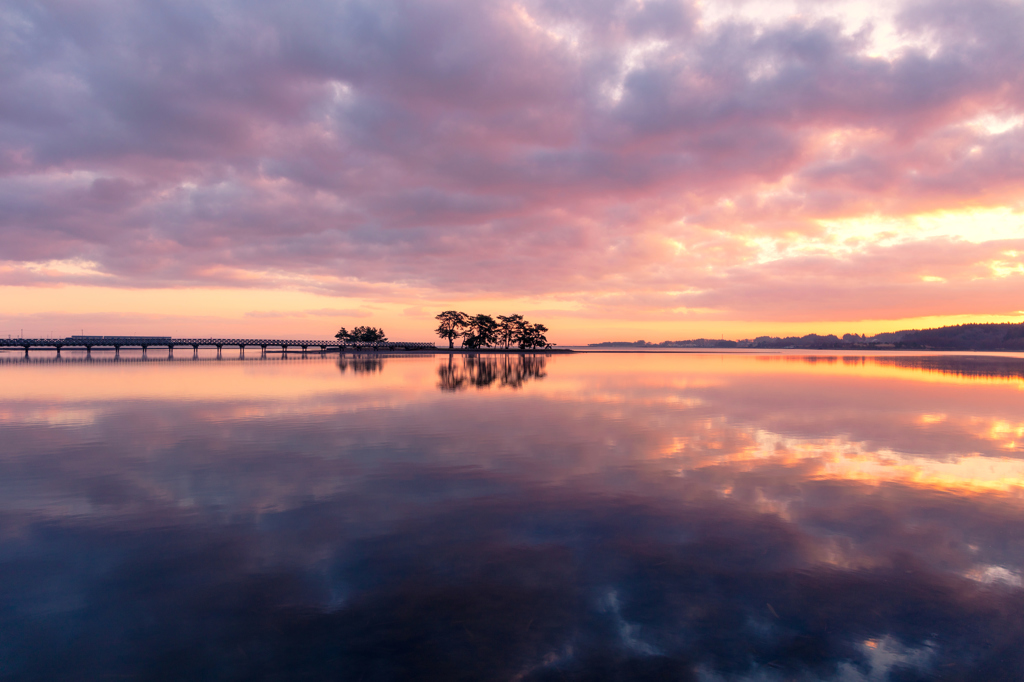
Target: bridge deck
(144,342)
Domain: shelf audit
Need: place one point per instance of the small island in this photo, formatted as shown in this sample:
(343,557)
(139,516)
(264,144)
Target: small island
(500,334)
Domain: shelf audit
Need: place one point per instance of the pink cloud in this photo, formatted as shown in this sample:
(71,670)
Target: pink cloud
(462,149)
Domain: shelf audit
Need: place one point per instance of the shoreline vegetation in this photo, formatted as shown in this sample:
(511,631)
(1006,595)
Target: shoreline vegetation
(482,331)
(1007,336)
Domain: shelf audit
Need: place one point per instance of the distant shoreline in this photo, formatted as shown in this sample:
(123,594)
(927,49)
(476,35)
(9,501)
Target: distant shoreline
(817,351)
(598,351)
(998,337)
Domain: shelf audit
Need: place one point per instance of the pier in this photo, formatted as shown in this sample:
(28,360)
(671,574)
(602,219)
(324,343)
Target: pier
(116,343)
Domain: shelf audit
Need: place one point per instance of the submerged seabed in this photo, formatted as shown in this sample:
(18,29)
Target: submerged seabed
(584,517)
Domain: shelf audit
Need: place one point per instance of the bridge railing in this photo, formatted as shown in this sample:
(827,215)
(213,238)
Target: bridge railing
(210,342)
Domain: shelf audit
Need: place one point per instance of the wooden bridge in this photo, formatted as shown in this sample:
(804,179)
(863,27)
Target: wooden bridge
(116,343)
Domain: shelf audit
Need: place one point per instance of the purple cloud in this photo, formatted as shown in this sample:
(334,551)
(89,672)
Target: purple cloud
(563,148)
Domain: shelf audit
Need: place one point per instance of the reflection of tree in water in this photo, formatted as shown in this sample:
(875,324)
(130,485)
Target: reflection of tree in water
(970,366)
(973,366)
(360,364)
(959,365)
(507,371)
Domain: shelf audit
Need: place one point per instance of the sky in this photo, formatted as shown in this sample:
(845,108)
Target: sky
(615,169)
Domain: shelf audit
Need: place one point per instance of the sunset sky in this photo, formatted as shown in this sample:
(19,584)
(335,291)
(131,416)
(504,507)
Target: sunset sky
(616,169)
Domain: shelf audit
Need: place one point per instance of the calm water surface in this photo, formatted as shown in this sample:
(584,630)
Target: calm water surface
(586,517)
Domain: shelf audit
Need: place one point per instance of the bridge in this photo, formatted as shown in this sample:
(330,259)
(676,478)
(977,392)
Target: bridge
(116,343)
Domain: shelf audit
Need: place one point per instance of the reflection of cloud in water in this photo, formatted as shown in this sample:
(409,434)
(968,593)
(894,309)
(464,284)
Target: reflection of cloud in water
(995,575)
(483,371)
(842,458)
(470,576)
(887,656)
(671,525)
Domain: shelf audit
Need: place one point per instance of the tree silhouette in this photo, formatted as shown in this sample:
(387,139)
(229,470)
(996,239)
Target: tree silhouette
(532,336)
(369,335)
(362,335)
(510,329)
(453,324)
(481,331)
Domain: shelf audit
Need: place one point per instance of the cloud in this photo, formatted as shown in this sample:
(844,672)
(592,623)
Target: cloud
(513,149)
(321,312)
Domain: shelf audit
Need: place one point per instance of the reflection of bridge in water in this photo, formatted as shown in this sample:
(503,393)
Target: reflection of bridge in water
(116,343)
(358,363)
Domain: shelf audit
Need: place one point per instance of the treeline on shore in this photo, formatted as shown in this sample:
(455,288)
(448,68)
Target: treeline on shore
(484,331)
(362,335)
(1007,336)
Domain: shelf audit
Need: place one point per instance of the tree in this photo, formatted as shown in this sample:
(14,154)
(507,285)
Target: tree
(481,331)
(361,335)
(368,335)
(453,324)
(533,336)
(510,329)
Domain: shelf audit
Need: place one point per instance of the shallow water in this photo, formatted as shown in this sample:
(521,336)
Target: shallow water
(707,516)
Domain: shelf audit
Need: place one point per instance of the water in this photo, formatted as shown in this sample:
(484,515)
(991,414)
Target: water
(709,516)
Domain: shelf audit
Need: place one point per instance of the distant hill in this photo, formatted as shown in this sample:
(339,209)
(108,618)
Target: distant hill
(692,343)
(1006,336)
